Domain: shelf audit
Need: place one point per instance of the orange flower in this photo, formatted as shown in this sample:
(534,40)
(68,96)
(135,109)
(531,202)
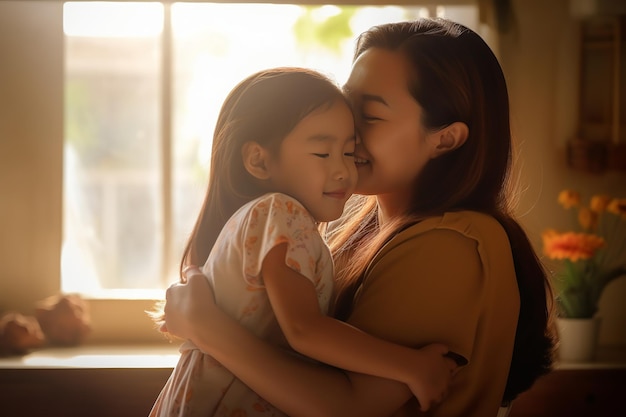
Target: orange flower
(587,269)
(599,203)
(569,198)
(587,218)
(617,206)
(570,245)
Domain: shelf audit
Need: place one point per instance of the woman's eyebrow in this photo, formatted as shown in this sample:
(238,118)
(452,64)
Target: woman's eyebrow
(373,97)
(365,97)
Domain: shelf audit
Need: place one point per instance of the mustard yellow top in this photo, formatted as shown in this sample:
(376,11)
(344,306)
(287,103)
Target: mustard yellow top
(448,279)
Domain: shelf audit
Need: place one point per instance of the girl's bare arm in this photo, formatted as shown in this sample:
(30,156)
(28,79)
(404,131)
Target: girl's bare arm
(312,333)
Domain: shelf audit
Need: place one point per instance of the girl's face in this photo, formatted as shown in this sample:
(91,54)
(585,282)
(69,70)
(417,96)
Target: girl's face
(392,149)
(315,164)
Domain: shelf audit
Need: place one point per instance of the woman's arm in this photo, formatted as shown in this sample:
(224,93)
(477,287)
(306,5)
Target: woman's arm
(313,390)
(294,301)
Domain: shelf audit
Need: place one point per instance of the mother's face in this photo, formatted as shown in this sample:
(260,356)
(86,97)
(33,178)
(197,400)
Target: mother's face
(392,149)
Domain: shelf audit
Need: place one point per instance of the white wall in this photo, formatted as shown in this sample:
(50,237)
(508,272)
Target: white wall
(31,140)
(540,61)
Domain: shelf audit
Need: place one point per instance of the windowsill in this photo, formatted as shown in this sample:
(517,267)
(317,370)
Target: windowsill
(607,357)
(166,355)
(96,357)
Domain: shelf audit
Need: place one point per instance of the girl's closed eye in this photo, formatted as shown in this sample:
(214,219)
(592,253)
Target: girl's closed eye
(321,155)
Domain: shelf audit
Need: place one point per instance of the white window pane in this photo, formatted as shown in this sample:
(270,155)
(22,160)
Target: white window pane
(113,212)
(217,45)
(112,184)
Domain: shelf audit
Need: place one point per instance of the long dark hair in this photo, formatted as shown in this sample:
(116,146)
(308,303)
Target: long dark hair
(456,77)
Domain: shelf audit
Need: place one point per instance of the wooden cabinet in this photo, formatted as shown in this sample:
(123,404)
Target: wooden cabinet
(84,381)
(80,392)
(592,392)
(591,389)
(600,144)
(125,381)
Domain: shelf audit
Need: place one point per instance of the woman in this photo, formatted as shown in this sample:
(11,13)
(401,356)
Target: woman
(430,254)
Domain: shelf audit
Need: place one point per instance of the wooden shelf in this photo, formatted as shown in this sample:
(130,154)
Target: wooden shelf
(587,389)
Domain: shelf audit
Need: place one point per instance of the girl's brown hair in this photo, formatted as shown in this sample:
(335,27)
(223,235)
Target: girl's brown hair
(263,108)
(456,77)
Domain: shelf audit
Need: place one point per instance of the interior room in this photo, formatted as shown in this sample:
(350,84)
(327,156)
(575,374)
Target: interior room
(557,89)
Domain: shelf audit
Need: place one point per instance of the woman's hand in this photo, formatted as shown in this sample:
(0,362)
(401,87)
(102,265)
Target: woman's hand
(433,371)
(188,304)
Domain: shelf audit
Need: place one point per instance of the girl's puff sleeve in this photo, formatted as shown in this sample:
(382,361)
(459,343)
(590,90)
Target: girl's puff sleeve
(274,220)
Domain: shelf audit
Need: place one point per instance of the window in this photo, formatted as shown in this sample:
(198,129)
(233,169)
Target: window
(143,86)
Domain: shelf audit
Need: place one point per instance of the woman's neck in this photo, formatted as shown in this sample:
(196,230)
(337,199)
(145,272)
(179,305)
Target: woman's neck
(391,207)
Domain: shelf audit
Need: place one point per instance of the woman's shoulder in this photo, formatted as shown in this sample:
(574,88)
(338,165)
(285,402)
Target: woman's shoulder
(467,237)
(472,225)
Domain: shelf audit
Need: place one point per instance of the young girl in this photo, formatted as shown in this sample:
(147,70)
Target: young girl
(282,161)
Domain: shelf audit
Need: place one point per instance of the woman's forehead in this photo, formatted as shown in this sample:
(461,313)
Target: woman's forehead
(379,75)
(378,70)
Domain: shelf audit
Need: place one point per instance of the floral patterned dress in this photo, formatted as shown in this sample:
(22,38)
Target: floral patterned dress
(199,385)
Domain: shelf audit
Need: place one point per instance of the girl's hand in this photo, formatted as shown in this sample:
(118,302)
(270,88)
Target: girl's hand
(434,370)
(188,304)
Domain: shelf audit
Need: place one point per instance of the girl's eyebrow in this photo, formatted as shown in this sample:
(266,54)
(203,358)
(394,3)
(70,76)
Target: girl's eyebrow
(328,138)
(321,137)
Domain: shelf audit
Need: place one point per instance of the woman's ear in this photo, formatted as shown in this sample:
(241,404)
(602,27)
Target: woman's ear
(256,160)
(449,138)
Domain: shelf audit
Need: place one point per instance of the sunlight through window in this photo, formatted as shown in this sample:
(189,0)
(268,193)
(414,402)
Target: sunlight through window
(119,234)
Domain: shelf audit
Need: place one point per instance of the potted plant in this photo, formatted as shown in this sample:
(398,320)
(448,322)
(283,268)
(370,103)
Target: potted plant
(592,255)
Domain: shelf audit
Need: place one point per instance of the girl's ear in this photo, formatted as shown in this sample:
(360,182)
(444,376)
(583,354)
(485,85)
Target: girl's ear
(256,160)
(449,138)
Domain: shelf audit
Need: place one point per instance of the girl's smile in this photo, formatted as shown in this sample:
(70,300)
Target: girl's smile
(340,194)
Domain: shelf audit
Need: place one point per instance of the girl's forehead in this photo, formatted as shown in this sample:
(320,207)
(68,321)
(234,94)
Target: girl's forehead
(325,125)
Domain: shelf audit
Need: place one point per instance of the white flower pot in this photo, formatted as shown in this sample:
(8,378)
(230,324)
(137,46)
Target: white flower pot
(578,339)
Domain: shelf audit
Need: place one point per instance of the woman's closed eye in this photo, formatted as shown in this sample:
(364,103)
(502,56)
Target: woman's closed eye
(369,117)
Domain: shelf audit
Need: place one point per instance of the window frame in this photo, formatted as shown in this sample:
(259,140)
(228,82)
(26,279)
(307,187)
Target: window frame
(32,87)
